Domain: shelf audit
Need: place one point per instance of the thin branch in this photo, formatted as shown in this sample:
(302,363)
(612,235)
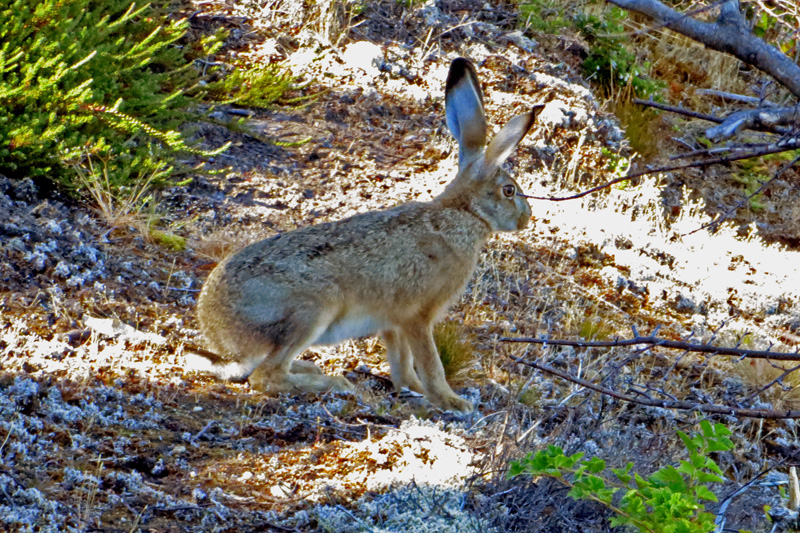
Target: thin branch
(665,343)
(771,119)
(580,194)
(775,381)
(736,97)
(678,110)
(664,404)
(766,149)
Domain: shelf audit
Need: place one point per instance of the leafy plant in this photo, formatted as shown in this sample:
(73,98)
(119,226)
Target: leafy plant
(259,86)
(668,501)
(107,80)
(546,16)
(610,63)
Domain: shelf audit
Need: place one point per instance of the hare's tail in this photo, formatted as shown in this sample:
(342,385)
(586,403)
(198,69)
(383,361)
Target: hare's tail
(201,360)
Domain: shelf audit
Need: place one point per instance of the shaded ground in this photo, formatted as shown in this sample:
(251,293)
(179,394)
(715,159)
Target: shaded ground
(102,428)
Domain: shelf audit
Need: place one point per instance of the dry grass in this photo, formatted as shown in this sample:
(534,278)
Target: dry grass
(130,207)
(685,64)
(223,242)
(456,349)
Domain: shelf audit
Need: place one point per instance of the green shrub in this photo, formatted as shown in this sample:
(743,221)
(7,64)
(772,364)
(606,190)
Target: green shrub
(668,501)
(103,80)
(610,64)
(259,86)
(546,16)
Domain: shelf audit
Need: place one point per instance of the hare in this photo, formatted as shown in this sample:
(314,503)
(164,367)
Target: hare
(392,272)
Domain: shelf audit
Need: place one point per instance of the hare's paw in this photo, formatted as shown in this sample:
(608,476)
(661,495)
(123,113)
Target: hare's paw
(298,382)
(304,367)
(340,384)
(412,383)
(450,402)
(318,383)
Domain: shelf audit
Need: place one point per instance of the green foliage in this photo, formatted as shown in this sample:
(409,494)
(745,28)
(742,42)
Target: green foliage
(168,240)
(546,16)
(610,63)
(594,329)
(778,25)
(259,86)
(668,501)
(617,164)
(107,80)
(74,74)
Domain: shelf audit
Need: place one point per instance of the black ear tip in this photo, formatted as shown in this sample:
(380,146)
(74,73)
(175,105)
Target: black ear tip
(459,69)
(536,110)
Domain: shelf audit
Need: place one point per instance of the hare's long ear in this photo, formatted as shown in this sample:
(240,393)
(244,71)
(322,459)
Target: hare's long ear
(508,138)
(464,110)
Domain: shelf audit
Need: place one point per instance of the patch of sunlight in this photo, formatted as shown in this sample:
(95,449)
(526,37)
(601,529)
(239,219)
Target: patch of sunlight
(679,261)
(418,451)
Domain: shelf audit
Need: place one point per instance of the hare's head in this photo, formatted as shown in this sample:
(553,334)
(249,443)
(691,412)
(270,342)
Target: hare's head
(481,184)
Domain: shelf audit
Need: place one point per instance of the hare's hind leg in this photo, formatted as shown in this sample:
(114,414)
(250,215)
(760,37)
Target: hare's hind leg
(401,362)
(279,372)
(430,370)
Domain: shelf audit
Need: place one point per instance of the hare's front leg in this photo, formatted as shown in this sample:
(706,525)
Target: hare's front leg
(430,370)
(401,362)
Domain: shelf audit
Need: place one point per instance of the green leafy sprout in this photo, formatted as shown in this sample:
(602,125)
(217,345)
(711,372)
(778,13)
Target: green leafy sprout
(671,500)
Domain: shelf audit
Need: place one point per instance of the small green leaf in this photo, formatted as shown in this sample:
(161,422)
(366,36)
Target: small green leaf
(595,465)
(702,492)
(670,477)
(577,493)
(707,477)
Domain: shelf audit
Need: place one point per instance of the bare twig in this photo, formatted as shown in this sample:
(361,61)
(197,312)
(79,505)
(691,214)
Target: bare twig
(665,343)
(678,110)
(736,97)
(775,381)
(765,149)
(664,404)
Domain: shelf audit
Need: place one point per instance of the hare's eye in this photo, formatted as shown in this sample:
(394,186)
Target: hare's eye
(509,190)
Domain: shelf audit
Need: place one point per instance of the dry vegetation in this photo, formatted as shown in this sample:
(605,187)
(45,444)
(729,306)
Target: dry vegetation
(103,429)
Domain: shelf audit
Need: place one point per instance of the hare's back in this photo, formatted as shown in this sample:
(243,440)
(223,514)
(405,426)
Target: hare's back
(404,249)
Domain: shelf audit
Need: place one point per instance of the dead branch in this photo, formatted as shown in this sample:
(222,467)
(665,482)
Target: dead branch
(678,110)
(769,119)
(663,404)
(736,97)
(665,343)
(729,34)
(772,119)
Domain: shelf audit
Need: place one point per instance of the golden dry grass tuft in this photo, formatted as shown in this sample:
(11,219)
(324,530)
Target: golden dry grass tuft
(456,349)
(129,207)
(221,243)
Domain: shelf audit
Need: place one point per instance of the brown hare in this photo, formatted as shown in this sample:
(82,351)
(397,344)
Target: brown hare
(392,272)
